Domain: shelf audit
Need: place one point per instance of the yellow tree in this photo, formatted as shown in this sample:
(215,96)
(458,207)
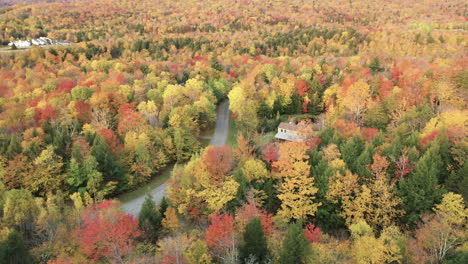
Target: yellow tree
(384,203)
(48,176)
(150,111)
(217,196)
(445,96)
(343,187)
(332,155)
(292,160)
(366,248)
(297,190)
(375,203)
(297,195)
(356,98)
(254,170)
(357,209)
(343,190)
(171,222)
(243,107)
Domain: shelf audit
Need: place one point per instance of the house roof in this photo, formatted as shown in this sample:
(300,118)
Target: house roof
(288,137)
(288,126)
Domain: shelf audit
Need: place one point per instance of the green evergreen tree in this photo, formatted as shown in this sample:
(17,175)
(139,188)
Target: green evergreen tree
(442,141)
(295,107)
(420,190)
(85,177)
(350,151)
(458,181)
(376,117)
(76,178)
(13,250)
(327,216)
(109,166)
(149,219)
(214,63)
(374,65)
(265,111)
(255,245)
(378,140)
(163,206)
(326,135)
(272,203)
(295,245)
(315,94)
(14,147)
(361,164)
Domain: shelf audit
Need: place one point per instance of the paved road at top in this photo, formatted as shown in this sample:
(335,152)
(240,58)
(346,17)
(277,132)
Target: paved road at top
(222,125)
(219,138)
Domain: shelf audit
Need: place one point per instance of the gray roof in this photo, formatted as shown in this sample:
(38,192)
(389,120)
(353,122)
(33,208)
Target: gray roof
(288,137)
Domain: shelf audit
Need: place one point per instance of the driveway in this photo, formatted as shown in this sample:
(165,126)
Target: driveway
(219,138)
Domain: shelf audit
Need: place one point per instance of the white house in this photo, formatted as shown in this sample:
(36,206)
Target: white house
(20,43)
(42,41)
(289,132)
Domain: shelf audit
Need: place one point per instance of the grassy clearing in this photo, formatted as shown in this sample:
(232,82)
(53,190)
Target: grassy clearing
(232,133)
(266,138)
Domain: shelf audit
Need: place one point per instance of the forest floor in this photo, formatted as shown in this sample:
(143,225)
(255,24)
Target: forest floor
(157,187)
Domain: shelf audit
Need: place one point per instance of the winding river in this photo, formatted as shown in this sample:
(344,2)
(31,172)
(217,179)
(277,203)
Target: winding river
(131,202)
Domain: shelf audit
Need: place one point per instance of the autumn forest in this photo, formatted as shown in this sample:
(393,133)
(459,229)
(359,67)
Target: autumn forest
(243,131)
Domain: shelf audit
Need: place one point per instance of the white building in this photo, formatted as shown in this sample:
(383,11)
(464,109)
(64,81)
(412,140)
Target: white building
(42,41)
(20,43)
(289,132)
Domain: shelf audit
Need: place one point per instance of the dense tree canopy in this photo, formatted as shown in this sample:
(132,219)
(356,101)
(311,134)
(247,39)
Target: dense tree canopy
(377,90)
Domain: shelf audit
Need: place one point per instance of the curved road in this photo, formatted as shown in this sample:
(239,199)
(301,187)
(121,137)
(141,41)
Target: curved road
(219,138)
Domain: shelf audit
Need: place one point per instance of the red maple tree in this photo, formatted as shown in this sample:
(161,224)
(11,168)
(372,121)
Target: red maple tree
(249,211)
(66,86)
(111,139)
(368,133)
(82,108)
(218,161)
(313,233)
(129,118)
(429,138)
(106,232)
(45,114)
(270,153)
(219,235)
(302,87)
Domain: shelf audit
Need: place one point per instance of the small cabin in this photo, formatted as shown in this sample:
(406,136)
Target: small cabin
(288,132)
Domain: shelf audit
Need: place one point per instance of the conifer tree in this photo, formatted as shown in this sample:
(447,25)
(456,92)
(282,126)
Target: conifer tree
(255,247)
(420,190)
(163,206)
(14,146)
(109,166)
(295,245)
(327,216)
(13,250)
(350,151)
(149,219)
(361,164)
